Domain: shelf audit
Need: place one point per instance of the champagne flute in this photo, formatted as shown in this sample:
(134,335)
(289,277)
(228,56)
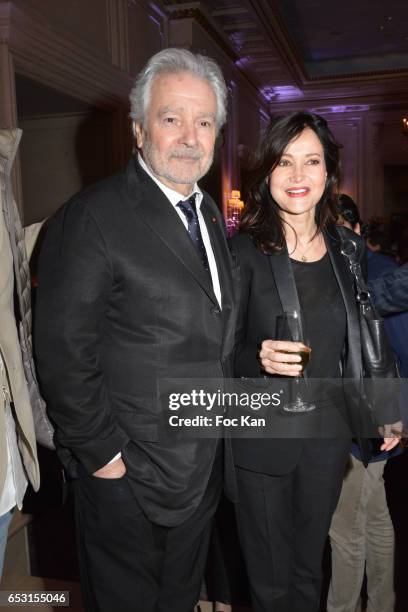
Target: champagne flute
(288,327)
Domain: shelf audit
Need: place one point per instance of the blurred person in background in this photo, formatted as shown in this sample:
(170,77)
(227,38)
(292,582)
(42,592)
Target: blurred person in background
(19,395)
(362,533)
(379,263)
(376,236)
(390,292)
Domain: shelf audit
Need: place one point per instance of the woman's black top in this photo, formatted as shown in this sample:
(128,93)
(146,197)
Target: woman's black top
(324,315)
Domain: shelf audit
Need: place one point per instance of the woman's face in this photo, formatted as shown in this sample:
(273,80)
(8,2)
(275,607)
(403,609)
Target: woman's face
(298,181)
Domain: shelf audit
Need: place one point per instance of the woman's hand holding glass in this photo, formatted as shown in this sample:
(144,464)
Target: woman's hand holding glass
(282,357)
(287,355)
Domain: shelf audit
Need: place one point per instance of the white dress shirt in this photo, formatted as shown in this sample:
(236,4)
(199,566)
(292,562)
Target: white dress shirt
(174,197)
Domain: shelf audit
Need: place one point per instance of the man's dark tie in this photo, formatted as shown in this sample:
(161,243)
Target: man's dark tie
(193,227)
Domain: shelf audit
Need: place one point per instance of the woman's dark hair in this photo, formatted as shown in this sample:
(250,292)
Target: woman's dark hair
(261,216)
(348,210)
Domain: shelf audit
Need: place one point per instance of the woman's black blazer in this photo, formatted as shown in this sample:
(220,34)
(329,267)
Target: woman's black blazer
(260,304)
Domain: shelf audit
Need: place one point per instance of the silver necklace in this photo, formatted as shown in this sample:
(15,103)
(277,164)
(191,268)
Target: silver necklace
(303,255)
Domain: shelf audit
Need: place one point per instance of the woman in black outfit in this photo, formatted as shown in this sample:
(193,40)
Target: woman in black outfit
(290,253)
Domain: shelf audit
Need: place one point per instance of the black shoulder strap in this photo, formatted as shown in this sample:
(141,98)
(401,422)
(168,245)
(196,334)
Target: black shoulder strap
(285,284)
(284,280)
(349,248)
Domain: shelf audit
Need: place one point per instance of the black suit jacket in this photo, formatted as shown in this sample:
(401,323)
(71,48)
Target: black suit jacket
(123,302)
(261,298)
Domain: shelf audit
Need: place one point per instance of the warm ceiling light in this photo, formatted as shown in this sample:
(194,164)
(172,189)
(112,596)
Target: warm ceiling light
(405,126)
(234,210)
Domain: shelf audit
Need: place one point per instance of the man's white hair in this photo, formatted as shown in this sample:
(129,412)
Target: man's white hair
(173,61)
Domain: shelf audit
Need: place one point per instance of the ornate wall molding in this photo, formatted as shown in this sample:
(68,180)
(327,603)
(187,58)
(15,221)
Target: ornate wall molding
(8,109)
(8,112)
(370,97)
(195,13)
(116,11)
(58,59)
(199,16)
(270,23)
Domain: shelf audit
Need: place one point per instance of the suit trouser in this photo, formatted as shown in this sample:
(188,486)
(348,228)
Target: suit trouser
(362,538)
(283,522)
(130,564)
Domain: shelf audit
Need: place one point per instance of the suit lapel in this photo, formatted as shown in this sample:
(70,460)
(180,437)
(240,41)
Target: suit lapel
(158,213)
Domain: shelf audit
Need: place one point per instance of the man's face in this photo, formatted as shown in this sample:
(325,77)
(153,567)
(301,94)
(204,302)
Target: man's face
(177,141)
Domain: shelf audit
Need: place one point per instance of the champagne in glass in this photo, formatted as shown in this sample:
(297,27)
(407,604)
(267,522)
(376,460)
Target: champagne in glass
(304,355)
(288,327)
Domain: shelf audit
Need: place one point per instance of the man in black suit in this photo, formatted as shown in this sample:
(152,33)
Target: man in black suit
(135,285)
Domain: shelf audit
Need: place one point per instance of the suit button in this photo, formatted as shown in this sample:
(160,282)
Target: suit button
(215,311)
